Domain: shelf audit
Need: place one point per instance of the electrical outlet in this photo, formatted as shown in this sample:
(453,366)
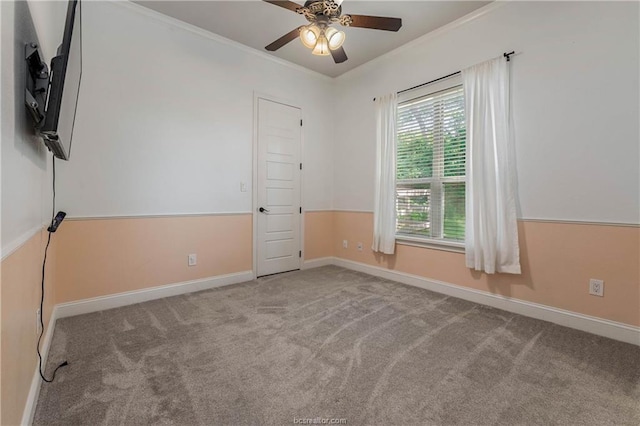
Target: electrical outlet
(193,259)
(596,287)
(38,327)
(359,246)
(345,244)
(243,187)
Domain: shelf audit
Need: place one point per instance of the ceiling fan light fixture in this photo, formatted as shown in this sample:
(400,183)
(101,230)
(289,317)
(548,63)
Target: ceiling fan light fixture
(322,46)
(309,36)
(335,38)
(318,35)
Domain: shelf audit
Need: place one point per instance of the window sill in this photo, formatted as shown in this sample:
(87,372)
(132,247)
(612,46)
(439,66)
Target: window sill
(455,247)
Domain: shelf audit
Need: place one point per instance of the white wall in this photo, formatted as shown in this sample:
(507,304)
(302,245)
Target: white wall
(48,18)
(575,93)
(25,164)
(165,120)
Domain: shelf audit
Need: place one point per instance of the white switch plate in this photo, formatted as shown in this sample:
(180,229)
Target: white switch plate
(596,287)
(345,244)
(359,246)
(193,259)
(243,187)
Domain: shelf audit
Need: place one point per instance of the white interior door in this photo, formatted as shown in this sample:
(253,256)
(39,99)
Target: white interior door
(278,192)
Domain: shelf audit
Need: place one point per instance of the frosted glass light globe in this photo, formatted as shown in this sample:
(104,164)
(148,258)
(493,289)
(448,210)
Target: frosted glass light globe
(309,36)
(335,38)
(322,46)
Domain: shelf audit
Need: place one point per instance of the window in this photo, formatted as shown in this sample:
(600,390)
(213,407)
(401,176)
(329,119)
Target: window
(430,184)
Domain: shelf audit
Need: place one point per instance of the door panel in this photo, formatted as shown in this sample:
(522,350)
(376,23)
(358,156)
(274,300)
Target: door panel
(279,223)
(279,171)
(278,227)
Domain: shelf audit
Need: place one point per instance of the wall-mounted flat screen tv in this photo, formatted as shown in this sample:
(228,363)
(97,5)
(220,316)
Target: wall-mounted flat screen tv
(66,74)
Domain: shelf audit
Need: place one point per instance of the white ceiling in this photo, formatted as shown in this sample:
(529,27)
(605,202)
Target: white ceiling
(256,24)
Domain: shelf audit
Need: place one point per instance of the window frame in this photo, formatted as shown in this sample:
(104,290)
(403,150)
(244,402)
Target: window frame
(427,242)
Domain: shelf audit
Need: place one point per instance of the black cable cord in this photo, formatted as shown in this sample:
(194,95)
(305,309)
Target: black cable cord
(44,264)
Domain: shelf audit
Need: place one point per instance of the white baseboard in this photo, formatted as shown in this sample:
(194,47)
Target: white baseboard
(95,304)
(611,329)
(101,303)
(602,327)
(34,390)
(316,263)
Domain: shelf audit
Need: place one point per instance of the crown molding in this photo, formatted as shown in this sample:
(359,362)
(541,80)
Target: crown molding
(472,16)
(361,68)
(127,4)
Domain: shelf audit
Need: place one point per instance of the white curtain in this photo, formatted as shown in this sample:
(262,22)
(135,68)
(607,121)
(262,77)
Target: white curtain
(384,213)
(491,233)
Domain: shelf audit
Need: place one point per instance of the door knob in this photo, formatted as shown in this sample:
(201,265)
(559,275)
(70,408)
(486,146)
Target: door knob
(263,210)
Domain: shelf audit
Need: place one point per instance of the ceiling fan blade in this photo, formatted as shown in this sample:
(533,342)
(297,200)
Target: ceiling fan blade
(338,55)
(286,4)
(376,22)
(290,36)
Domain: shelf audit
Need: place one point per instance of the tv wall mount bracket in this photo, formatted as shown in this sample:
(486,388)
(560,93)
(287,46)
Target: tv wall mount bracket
(37,82)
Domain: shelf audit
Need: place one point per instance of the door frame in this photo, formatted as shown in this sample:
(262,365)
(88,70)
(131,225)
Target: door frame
(257,95)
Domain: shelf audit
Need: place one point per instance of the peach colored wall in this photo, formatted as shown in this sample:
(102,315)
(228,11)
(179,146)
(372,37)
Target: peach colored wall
(106,256)
(557,261)
(318,234)
(20,298)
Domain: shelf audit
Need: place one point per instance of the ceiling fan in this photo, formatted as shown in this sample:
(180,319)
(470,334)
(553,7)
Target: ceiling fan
(319,35)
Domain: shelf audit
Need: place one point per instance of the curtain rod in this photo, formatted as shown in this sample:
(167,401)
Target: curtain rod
(506,55)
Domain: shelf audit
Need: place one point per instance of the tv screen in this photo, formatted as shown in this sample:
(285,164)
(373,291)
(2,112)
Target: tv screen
(66,74)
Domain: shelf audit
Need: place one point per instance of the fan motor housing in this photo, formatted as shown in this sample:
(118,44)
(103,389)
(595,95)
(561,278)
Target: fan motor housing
(319,8)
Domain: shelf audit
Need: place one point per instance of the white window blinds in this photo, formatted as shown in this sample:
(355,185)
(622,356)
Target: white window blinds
(430,170)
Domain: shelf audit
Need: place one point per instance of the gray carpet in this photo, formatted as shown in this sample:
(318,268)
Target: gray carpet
(329,343)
